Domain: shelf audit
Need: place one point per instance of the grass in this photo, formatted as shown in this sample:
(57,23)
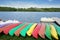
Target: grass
(8,37)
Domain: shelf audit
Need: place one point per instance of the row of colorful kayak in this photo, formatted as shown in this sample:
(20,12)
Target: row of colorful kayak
(50,30)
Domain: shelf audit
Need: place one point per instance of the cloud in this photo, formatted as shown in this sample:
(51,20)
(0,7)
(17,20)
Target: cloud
(28,5)
(33,5)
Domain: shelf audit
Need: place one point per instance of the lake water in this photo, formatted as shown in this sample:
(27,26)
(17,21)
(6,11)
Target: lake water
(27,16)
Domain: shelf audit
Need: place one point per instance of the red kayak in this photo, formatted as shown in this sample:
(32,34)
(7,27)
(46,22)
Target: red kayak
(36,31)
(42,31)
(6,30)
(17,32)
(1,29)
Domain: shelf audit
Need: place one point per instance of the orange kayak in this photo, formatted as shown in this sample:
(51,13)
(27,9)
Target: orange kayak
(17,32)
(36,30)
(42,31)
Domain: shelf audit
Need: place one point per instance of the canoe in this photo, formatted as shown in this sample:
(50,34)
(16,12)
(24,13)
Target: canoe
(1,29)
(29,32)
(12,31)
(48,31)
(57,28)
(24,31)
(36,31)
(6,31)
(42,31)
(17,32)
(54,32)
(4,25)
(44,19)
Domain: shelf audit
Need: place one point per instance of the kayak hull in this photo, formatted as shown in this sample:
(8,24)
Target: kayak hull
(12,31)
(17,32)
(53,32)
(36,31)
(24,31)
(6,31)
(42,31)
(48,31)
(29,32)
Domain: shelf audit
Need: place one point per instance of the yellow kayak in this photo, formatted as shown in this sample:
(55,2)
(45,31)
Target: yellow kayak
(29,32)
(53,32)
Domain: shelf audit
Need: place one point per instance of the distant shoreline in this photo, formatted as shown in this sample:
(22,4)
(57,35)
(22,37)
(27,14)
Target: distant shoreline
(30,9)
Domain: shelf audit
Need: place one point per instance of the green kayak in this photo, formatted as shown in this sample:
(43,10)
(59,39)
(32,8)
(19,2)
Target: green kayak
(12,31)
(47,31)
(24,31)
(57,28)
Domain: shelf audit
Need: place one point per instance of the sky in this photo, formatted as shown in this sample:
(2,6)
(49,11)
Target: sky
(30,3)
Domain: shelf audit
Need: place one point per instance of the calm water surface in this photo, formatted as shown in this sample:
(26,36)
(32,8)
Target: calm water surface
(27,16)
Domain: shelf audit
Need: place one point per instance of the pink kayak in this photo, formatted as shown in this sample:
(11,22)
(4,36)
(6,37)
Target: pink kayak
(36,31)
(42,31)
(6,30)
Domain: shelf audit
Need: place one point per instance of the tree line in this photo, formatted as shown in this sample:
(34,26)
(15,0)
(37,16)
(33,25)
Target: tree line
(30,9)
